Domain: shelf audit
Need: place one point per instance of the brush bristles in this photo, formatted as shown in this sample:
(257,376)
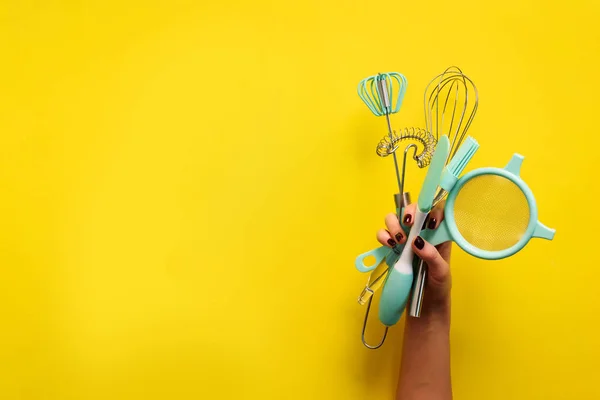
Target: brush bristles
(463,156)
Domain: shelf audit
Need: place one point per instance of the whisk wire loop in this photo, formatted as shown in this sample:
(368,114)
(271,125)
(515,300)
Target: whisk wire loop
(451,101)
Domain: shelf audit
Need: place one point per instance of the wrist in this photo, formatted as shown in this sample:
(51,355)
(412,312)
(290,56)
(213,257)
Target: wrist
(435,314)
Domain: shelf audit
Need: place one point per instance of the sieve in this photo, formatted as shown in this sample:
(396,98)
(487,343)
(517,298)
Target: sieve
(490,213)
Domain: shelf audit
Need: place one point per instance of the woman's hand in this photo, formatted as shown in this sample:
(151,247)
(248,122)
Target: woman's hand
(437,290)
(425,368)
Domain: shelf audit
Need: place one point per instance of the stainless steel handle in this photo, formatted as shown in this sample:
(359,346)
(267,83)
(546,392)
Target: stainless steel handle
(416,300)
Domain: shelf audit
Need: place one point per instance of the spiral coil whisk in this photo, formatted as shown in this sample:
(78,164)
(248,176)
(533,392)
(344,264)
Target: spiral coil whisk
(388,145)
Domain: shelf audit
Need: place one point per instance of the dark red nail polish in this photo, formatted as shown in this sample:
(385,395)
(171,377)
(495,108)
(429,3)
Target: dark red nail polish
(431,224)
(398,237)
(407,219)
(419,243)
(391,242)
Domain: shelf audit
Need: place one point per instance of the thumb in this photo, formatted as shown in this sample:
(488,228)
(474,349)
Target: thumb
(439,280)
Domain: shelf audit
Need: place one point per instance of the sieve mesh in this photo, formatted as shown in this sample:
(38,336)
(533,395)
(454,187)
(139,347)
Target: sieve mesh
(491,212)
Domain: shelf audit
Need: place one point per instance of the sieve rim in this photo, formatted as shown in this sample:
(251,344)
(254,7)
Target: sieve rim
(476,251)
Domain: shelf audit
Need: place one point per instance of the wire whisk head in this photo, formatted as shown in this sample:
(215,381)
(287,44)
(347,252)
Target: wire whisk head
(389,144)
(451,101)
(383,93)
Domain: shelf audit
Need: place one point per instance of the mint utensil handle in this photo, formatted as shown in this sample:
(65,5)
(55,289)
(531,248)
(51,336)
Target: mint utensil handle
(380,255)
(394,296)
(406,259)
(397,287)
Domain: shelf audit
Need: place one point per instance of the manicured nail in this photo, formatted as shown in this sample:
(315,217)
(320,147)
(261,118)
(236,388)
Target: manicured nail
(425,222)
(407,219)
(398,237)
(431,224)
(419,242)
(391,242)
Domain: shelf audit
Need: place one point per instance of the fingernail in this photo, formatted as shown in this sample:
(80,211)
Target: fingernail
(419,242)
(407,219)
(431,224)
(398,237)
(425,222)
(391,242)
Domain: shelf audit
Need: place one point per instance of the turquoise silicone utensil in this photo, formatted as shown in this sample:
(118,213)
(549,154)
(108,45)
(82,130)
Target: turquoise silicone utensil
(399,282)
(456,166)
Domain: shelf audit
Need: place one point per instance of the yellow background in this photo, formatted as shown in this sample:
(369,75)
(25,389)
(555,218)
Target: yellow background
(185,186)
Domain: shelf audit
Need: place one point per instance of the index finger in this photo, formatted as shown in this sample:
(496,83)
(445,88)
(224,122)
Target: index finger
(408,215)
(436,215)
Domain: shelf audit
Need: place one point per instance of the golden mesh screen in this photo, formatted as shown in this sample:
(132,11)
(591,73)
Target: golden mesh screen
(491,212)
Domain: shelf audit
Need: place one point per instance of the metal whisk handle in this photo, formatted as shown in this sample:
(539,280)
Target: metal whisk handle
(402,200)
(383,93)
(416,300)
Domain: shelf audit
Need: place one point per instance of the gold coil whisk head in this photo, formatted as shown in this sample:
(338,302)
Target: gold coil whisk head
(390,143)
(450,101)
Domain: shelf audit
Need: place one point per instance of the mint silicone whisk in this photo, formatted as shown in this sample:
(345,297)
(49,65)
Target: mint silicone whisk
(383,94)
